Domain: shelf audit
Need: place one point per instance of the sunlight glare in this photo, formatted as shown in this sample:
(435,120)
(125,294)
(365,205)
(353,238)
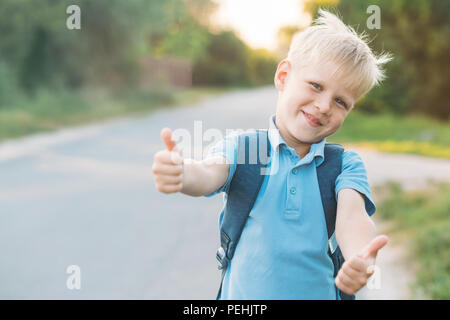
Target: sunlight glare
(257,21)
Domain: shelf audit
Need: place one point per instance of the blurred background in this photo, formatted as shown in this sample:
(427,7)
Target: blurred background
(81,111)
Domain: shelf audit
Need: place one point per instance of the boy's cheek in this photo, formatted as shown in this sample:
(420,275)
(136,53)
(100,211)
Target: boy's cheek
(333,127)
(337,122)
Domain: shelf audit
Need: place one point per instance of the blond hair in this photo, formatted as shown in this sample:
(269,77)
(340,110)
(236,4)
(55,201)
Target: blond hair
(329,39)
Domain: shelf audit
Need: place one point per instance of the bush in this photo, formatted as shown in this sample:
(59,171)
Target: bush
(424,216)
(433,244)
(9,92)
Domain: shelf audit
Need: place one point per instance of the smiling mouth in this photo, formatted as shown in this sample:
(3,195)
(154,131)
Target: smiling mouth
(312,120)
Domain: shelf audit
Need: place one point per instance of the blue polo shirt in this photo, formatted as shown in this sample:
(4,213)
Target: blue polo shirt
(283,249)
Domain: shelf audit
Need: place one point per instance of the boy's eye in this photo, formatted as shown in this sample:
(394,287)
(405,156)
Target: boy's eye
(342,103)
(316,86)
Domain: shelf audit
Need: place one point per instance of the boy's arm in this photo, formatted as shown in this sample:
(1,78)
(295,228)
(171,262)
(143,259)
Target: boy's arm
(203,177)
(356,237)
(354,228)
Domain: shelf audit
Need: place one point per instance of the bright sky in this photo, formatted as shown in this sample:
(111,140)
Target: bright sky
(257,21)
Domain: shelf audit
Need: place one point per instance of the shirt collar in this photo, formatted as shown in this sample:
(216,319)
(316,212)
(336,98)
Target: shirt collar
(316,151)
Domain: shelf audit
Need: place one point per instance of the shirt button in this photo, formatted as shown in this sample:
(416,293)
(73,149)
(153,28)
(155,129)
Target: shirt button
(293,190)
(294,171)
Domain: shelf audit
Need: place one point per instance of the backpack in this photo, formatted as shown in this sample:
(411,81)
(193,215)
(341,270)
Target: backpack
(242,195)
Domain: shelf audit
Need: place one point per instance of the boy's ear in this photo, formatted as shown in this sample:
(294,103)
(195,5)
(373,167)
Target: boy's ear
(281,75)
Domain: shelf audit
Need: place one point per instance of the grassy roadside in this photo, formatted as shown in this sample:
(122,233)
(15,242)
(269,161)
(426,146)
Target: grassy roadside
(421,219)
(398,134)
(48,111)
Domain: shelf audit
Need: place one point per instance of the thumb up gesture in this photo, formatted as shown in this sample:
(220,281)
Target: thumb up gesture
(168,165)
(355,273)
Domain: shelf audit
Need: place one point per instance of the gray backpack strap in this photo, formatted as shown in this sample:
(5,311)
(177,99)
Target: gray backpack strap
(244,188)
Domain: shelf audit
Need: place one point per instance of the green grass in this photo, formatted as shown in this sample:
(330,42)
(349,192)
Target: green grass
(423,216)
(47,111)
(393,133)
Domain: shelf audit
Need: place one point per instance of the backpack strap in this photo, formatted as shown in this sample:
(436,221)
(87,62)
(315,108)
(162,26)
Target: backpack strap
(244,188)
(327,174)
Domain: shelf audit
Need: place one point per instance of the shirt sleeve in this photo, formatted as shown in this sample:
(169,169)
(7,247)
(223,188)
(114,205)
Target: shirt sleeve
(354,176)
(227,148)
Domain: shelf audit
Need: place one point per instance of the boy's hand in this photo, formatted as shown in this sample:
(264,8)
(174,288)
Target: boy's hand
(355,272)
(168,165)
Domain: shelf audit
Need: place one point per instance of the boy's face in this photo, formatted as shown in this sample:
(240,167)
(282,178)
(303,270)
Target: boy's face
(312,102)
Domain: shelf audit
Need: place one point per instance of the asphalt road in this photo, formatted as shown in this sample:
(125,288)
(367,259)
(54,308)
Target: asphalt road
(85,196)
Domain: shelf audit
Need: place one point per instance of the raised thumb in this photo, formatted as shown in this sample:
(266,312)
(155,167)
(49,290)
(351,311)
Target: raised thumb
(376,244)
(166,136)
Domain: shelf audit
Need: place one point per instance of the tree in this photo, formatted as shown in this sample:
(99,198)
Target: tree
(417,33)
(37,46)
(284,38)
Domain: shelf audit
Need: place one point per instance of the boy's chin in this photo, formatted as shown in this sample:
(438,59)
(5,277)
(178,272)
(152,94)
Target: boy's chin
(309,140)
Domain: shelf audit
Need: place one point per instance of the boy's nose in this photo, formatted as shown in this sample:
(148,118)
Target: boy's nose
(324,106)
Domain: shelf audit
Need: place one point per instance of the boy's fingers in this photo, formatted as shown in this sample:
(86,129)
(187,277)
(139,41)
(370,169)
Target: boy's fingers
(169,179)
(171,158)
(372,248)
(342,286)
(359,277)
(166,136)
(170,188)
(356,263)
(345,279)
(350,271)
(165,169)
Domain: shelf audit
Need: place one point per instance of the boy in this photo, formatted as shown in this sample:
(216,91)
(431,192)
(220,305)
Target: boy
(282,251)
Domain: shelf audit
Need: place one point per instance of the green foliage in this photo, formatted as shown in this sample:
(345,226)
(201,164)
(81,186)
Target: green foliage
(424,216)
(312,6)
(9,91)
(41,52)
(262,66)
(433,243)
(45,110)
(223,62)
(417,33)
(284,38)
(228,61)
(186,40)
